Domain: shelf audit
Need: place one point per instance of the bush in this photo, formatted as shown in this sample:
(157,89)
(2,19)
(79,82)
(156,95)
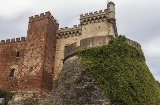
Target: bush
(6,95)
(122,73)
(158,83)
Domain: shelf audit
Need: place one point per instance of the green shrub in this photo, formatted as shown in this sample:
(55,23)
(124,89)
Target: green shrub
(6,94)
(158,83)
(122,73)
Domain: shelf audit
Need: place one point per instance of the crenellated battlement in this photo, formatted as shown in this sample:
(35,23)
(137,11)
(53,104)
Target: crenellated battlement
(14,40)
(43,16)
(69,32)
(91,14)
(93,17)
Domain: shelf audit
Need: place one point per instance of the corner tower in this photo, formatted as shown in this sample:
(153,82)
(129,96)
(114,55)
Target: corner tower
(100,23)
(39,55)
(111,18)
(111,11)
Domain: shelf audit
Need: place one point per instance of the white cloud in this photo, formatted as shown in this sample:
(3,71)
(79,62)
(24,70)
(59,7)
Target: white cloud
(151,48)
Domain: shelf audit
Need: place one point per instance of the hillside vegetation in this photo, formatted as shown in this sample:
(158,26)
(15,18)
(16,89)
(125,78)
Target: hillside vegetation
(5,94)
(122,73)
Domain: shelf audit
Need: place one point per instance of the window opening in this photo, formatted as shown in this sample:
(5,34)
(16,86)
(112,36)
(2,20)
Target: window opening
(12,73)
(17,54)
(52,70)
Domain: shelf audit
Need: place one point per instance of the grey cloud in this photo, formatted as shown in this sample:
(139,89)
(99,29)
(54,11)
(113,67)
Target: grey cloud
(15,27)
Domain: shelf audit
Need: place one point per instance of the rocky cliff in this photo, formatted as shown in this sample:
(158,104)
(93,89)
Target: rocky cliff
(75,86)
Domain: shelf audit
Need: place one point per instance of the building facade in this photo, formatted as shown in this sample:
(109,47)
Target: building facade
(31,63)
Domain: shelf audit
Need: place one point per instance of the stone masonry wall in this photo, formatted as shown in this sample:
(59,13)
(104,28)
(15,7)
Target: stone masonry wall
(86,43)
(101,28)
(34,55)
(11,60)
(27,64)
(93,42)
(39,53)
(100,23)
(49,57)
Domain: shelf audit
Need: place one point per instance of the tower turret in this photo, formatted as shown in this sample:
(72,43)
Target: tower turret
(111,18)
(111,11)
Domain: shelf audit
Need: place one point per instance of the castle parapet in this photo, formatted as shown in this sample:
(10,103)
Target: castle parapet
(93,42)
(43,16)
(86,43)
(133,43)
(7,41)
(71,49)
(69,32)
(93,17)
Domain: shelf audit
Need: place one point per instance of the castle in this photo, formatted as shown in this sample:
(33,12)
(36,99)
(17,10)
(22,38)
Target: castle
(31,63)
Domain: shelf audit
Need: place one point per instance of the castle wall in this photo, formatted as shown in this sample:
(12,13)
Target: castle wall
(34,56)
(93,24)
(59,56)
(39,52)
(34,67)
(93,42)
(88,30)
(95,29)
(86,43)
(12,55)
(49,57)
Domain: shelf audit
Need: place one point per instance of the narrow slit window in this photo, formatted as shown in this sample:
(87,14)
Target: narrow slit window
(12,73)
(52,70)
(17,54)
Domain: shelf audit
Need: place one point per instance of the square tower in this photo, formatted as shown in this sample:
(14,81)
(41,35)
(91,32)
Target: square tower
(38,66)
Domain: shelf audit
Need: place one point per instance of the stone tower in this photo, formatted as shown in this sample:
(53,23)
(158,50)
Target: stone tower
(39,55)
(98,23)
(111,18)
(111,11)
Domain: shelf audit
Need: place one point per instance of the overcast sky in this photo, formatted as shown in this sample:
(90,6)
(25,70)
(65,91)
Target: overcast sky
(138,20)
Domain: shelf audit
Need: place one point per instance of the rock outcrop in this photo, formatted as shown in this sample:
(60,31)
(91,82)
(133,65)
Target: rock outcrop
(75,86)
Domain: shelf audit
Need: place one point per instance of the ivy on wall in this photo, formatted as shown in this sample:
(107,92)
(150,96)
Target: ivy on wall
(122,73)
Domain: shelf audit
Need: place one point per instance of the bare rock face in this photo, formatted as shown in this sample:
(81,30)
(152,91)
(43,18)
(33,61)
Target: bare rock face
(75,86)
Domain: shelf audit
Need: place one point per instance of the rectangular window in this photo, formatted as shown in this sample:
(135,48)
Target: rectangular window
(52,70)
(17,54)
(12,73)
